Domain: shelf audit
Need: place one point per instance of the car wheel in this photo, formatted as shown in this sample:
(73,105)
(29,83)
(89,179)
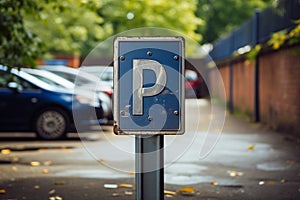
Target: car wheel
(51,124)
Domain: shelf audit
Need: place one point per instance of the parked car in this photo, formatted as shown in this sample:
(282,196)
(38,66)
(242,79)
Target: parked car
(105,73)
(192,84)
(88,81)
(52,78)
(31,104)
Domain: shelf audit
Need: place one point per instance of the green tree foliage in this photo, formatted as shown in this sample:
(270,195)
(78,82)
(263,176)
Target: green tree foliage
(221,16)
(17,44)
(69,27)
(177,15)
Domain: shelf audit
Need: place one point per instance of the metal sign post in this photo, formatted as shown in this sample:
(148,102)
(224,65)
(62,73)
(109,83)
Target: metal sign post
(149,102)
(149,156)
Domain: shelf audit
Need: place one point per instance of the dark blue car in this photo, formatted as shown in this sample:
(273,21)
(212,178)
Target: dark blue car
(30,104)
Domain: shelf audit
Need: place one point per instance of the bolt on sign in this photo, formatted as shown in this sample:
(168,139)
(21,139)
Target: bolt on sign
(149,85)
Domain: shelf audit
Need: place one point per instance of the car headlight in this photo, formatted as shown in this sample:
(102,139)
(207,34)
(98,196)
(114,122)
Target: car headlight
(87,100)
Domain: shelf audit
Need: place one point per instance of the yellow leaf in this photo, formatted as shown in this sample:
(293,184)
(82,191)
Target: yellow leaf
(59,183)
(126,186)
(115,194)
(35,163)
(233,174)
(214,183)
(14,168)
(258,47)
(282,37)
(271,182)
(167,192)
(45,171)
(251,147)
(2,191)
(187,189)
(5,151)
(291,34)
(276,45)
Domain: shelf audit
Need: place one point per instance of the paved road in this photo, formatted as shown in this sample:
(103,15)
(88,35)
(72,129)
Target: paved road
(245,161)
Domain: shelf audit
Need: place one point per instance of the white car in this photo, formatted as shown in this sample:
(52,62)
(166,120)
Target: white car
(84,80)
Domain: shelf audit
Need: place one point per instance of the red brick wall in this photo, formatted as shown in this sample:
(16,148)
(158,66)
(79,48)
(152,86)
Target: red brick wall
(224,71)
(243,87)
(280,90)
(216,86)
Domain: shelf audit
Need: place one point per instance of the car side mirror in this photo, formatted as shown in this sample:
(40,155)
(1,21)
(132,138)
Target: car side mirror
(14,86)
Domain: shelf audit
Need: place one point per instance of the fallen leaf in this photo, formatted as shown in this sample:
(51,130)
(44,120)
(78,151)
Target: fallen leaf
(115,194)
(123,185)
(232,174)
(214,183)
(131,173)
(187,190)
(271,182)
(128,193)
(261,183)
(110,186)
(35,163)
(168,196)
(2,191)
(235,173)
(52,191)
(167,192)
(5,151)
(251,147)
(47,163)
(55,198)
(101,160)
(36,187)
(59,183)
(14,168)
(58,198)
(45,171)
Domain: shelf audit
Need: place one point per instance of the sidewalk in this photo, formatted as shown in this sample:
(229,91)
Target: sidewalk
(249,162)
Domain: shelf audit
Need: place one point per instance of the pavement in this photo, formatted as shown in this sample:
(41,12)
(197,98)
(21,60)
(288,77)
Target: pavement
(249,161)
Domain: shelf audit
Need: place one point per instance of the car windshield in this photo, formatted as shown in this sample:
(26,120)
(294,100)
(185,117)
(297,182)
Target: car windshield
(107,75)
(105,72)
(47,80)
(72,77)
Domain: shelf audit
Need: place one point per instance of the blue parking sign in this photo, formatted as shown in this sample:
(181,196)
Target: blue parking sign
(149,85)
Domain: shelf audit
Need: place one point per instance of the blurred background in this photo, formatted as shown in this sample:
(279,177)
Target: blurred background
(247,40)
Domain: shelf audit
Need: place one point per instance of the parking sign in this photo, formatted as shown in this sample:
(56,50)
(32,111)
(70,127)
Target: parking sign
(149,85)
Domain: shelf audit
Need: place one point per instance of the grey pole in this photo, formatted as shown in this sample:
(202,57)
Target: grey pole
(149,167)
